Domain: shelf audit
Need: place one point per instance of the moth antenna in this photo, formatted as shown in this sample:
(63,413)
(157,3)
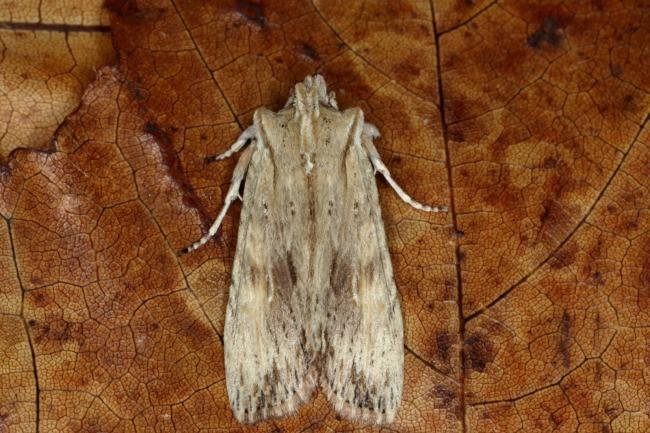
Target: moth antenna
(248,134)
(233,194)
(380,167)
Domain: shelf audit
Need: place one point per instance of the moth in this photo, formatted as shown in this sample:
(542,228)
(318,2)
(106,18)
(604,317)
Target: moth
(312,300)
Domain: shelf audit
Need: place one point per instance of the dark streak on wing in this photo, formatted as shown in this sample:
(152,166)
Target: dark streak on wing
(283,281)
(292,269)
(340,275)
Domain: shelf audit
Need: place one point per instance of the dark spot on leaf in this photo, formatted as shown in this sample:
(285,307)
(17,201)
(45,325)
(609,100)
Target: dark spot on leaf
(56,331)
(551,210)
(253,12)
(612,411)
(565,335)
(122,8)
(597,278)
(479,351)
(549,162)
(154,129)
(616,69)
(457,109)
(549,32)
(5,172)
(628,103)
(565,256)
(444,395)
(456,134)
(407,70)
(308,51)
(40,300)
(443,344)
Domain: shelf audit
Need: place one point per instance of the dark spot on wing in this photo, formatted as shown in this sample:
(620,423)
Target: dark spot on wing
(283,278)
(340,275)
(257,276)
(292,269)
(369,272)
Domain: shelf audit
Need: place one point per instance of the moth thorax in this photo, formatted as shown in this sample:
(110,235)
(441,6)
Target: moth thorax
(307,104)
(307,161)
(307,142)
(309,94)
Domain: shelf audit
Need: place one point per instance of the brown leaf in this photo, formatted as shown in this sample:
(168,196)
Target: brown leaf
(525,308)
(49,52)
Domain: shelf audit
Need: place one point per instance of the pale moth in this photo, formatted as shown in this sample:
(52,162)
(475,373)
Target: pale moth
(312,300)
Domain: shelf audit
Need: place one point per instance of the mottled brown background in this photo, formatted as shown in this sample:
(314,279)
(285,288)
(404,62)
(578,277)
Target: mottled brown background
(527,308)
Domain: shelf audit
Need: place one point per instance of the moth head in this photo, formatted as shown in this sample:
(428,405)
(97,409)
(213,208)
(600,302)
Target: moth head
(310,94)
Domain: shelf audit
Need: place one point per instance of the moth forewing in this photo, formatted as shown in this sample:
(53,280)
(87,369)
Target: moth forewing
(363,373)
(267,367)
(313,299)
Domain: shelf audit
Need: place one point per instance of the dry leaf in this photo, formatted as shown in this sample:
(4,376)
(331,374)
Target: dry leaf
(49,52)
(526,308)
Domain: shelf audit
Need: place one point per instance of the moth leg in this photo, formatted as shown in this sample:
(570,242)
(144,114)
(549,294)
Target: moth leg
(248,134)
(371,132)
(233,194)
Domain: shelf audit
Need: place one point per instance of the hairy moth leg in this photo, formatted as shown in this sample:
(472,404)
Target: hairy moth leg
(371,131)
(246,136)
(233,193)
